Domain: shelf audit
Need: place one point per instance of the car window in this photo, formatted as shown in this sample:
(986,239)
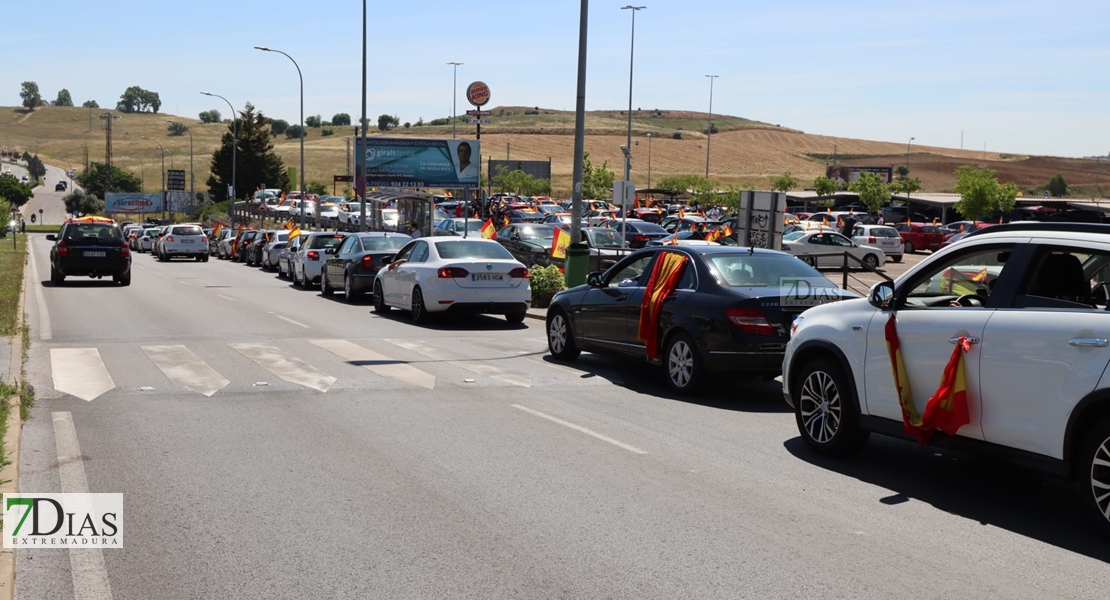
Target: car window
(689,279)
(629,274)
(347,245)
(325,241)
(472,249)
(77,232)
(384,244)
(405,253)
(973,271)
(1066,278)
(419,253)
(604,237)
(930,229)
(187,230)
(835,239)
(793,236)
(759,270)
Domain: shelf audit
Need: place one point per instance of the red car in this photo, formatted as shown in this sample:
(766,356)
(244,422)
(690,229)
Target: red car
(920,236)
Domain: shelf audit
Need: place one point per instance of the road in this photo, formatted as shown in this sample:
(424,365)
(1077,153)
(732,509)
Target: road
(330,452)
(46,205)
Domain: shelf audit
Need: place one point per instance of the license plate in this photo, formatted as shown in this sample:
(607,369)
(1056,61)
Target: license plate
(487,277)
(97,254)
(187,241)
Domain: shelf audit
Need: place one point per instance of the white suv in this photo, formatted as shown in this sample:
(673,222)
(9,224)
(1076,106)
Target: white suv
(1030,298)
(184,240)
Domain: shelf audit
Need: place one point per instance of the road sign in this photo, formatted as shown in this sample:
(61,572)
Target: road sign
(479,113)
(477,121)
(477,93)
(175,180)
(1046,193)
(342,178)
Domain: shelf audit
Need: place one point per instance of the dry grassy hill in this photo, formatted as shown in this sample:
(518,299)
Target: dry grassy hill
(744,152)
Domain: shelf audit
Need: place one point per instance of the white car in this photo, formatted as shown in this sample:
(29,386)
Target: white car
(454,274)
(1028,305)
(146,239)
(308,260)
(329,212)
(883,237)
(351,212)
(186,241)
(825,248)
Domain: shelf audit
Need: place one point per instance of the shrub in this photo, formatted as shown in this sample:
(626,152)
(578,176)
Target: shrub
(676,135)
(327,131)
(545,282)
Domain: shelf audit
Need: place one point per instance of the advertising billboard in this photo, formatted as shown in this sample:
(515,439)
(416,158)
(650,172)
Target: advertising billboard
(850,173)
(132,203)
(418,163)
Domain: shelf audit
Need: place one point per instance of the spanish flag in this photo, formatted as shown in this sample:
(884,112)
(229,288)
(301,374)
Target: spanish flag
(289,225)
(559,243)
(713,236)
(673,240)
(947,409)
(727,231)
(489,232)
(664,278)
(681,213)
(217,228)
(636,201)
(505,221)
(295,232)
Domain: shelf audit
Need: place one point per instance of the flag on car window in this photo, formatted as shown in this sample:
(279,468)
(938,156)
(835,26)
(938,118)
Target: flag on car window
(559,243)
(664,278)
(489,232)
(294,233)
(726,231)
(217,228)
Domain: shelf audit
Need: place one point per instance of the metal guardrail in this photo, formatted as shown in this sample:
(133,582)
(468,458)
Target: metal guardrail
(846,267)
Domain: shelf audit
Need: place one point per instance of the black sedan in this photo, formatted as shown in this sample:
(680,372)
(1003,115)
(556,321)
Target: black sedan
(527,242)
(724,316)
(353,264)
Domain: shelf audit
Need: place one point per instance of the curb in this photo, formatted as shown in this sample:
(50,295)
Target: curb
(14,436)
(542,316)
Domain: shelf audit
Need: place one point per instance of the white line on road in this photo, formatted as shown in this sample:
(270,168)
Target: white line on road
(580,428)
(378,363)
(44,313)
(90,577)
(183,282)
(290,320)
(228,298)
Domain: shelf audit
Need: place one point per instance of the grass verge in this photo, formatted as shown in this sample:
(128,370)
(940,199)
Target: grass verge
(12,261)
(43,228)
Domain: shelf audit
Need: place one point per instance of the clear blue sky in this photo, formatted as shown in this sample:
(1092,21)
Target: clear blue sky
(1020,76)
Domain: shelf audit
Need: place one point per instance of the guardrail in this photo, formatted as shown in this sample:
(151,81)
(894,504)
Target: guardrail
(845,268)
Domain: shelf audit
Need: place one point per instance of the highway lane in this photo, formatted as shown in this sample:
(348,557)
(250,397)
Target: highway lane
(46,204)
(509,477)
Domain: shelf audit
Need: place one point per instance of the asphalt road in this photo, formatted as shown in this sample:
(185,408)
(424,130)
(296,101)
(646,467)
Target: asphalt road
(46,204)
(457,461)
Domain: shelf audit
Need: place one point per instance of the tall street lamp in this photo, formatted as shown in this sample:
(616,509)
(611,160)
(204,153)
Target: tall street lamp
(908,153)
(163,172)
(454,95)
(649,161)
(631,57)
(234,146)
(709,130)
(301,77)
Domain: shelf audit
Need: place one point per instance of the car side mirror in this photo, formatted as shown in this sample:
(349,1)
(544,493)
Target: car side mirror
(593,279)
(52,237)
(881,295)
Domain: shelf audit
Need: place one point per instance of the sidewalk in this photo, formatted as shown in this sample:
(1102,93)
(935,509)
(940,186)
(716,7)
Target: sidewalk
(5,357)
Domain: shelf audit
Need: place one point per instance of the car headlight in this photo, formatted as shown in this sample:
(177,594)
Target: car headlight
(796,324)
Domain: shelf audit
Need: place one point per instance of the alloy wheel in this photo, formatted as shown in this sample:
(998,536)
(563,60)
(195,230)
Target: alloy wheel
(821,407)
(680,364)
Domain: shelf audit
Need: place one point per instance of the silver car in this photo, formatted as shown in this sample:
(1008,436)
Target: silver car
(186,241)
(308,261)
(883,237)
(272,251)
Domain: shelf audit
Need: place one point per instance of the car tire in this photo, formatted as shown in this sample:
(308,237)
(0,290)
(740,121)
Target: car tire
(162,257)
(56,277)
(418,310)
(682,362)
(1094,473)
(349,292)
(560,336)
(908,248)
(896,259)
(204,258)
(325,289)
(380,306)
(825,408)
(124,280)
(810,260)
(516,317)
(871,261)
(198,258)
(297,282)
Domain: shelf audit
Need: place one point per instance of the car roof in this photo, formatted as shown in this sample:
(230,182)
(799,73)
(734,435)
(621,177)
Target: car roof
(1050,228)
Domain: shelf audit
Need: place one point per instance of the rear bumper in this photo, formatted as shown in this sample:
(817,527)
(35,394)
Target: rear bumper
(76,267)
(494,308)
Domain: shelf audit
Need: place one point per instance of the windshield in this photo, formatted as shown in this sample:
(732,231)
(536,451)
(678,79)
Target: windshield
(537,233)
(760,270)
(325,241)
(605,237)
(93,231)
(187,230)
(793,235)
(471,249)
(383,244)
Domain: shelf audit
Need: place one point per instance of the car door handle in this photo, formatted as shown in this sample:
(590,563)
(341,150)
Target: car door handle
(970,339)
(1089,342)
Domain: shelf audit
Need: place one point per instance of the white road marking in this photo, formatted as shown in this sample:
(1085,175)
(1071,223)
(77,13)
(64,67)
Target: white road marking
(183,282)
(289,320)
(186,369)
(353,352)
(80,372)
(474,366)
(580,428)
(44,313)
(228,298)
(90,577)
(289,368)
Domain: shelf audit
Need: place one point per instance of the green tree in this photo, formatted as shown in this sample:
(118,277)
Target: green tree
(519,182)
(1056,186)
(873,193)
(278,126)
(906,185)
(64,99)
(294,131)
(14,191)
(258,165)
(597,182)
(981,195)
(784,182)
(327,131)
(313,121)
(90,104)
(82,202)
(95,178)
(210,116)
(136,99)
(176,128)
(824,186)
(29,92)
(36,168)
(387,122)
(315,186)
(341,119)
(902,171)
(700,189)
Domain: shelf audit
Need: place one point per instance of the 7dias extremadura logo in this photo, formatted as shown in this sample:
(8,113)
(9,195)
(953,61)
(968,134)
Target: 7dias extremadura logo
(63,520)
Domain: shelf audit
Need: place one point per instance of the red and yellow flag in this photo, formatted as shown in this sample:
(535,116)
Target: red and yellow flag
(727,231)
(713,236)
(673,240)
(681,213)
(664,278)
(289,225)
(295,232)
(489,232)
(636,201)
(559,243)
(947,409)
(217,228)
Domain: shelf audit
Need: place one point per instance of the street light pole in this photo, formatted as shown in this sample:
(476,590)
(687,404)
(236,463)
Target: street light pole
(163,173)
(908,154)
(649,161)
(362,173)
(709,131)
(454,94)
(631,57)
(234,145)
(303,191)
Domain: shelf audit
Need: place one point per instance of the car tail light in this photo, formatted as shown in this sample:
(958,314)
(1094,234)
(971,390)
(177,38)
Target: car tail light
(367,261)
(785,247)
(639,238)
(520,273)
(62,249)
(169,238)
(313,255)
(204,239)
(871,239)
(125,250)
(453,272)
(750,320)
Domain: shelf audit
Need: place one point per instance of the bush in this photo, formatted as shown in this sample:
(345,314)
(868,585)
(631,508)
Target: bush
(327,131)
(676,135)
(546,281)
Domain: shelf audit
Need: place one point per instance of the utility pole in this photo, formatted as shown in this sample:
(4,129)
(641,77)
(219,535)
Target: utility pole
(108,118)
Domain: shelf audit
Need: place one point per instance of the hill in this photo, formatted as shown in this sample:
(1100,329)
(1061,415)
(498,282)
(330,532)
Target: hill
(743,152)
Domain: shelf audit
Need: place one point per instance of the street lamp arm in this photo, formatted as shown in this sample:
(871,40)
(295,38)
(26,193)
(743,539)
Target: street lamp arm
(234,145)
(301,78)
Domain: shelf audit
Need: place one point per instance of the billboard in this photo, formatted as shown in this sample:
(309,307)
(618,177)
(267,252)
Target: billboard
(540,169)
(850,173)
(132,203)
(418,163)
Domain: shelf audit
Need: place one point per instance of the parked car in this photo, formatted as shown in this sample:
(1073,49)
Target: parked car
(89,248)
(308,261)
(826,248)
(186,241)
(228,246)
(353,265)
(285,257)
(642,233)
(920,236)
(272,250)
(214,240)
(146,240)
(723,316)
(454,275)
(351,212)
(241,245)
(463,227)
(883,237)
(156,244)
(530,243)
(1031,322)
(252,252)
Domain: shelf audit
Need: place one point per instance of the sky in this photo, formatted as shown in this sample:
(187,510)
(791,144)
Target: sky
(1021,76)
